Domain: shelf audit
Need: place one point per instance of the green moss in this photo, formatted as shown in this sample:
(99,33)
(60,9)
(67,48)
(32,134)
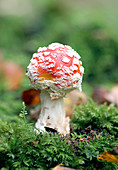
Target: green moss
(95,38)
(21,147)
(93,116)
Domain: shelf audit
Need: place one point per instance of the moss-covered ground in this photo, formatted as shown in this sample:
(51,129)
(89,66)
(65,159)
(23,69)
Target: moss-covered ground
(91,29)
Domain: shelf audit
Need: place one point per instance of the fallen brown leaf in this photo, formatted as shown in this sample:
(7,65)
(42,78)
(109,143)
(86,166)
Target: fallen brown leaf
(31,97)
(11,74)
(112,96)
(111,156)
(99,95)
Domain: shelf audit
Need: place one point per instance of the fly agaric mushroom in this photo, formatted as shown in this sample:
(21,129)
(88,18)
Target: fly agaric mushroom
(55,70)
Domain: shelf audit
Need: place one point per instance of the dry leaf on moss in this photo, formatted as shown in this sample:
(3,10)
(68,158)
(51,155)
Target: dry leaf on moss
(112,96)
(99,94)
(111,156)
(11,74)
(31,97)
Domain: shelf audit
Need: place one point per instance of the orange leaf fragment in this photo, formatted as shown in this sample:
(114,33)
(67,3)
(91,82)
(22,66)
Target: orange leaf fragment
(31,97)
(110,156)
(35,143)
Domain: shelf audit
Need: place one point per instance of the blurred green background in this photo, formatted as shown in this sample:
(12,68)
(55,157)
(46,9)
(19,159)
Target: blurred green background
(89,26)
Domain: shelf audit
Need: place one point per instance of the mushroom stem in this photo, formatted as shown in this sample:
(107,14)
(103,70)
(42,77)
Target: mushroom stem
(52,114)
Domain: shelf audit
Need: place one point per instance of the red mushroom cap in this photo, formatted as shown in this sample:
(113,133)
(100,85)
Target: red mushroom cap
(56,68)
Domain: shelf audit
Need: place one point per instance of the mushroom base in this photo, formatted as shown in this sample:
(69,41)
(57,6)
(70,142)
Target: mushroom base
(53,115)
